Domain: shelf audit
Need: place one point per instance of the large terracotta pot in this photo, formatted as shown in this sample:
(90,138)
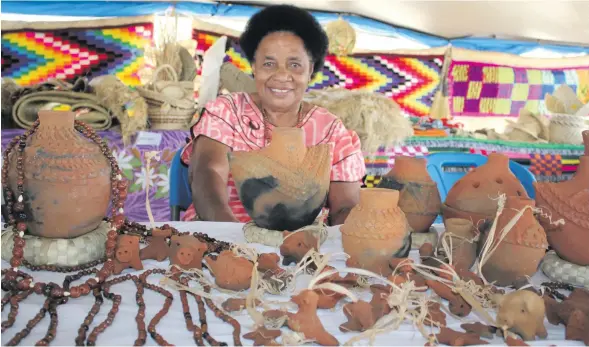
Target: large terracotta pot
(522,249)
(568,200)
(67,179)
(284,185)
(474,196)
(376,231)
(420,199)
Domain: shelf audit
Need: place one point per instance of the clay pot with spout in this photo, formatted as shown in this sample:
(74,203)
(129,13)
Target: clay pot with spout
(420,198)
(375,231)
(474,196)
(521,250)
(67,183)
(569,201)
(284,185)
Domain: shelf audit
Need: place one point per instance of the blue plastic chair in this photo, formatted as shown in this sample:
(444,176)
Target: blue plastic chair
(180,192)
(437,162)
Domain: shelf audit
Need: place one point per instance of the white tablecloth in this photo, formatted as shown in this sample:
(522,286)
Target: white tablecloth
(172,326)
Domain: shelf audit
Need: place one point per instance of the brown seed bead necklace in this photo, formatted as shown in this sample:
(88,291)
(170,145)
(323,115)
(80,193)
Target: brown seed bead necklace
(225,318)
(553,287)
(17,218)
(196,331)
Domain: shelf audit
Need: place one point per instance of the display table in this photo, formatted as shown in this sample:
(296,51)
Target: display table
(172,327)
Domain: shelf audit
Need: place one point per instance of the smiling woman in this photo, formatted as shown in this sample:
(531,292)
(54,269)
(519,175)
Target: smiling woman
(285,46)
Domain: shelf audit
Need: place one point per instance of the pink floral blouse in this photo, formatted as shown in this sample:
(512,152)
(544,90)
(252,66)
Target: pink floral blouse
(236,121)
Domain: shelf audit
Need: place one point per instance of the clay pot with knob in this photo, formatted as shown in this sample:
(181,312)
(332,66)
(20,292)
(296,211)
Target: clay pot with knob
(67,183)
(420,198)
(521,250)
(376,231)
(284,185)
(569,201)
(474,196)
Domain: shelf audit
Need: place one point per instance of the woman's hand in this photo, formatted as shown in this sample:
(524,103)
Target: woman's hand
(209,172)
(342,197)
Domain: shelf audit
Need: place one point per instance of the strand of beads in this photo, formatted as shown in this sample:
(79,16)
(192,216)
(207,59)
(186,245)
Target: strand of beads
(196,331)
(225,318)
(17,218)
(165,308)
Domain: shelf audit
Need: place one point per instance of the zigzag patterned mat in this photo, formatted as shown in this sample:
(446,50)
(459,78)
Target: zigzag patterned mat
(481,89)
(30,57)
(409,80)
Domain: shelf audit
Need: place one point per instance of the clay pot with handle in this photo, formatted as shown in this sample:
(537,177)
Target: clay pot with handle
(67,179)
(475,196)
(569,201)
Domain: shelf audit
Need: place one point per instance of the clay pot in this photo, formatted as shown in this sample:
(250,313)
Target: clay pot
(67,179)
(471,197)
(521,250)
(420,198)
(231,272)
(568,200)
(461,233)
(284,185)
(375,231)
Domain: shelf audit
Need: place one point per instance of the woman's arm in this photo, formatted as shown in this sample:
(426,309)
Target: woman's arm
(342,197)
(209,172)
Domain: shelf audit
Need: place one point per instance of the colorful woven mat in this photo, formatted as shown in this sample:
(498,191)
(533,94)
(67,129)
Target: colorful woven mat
(409,80)
(486,90)
(30,57)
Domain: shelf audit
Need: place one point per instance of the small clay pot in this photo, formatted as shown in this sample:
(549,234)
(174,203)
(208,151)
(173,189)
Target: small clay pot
(284,185)
(522,249)
(375,231)
(420,199)
(568,200)
(231,272)
(459,236)
(474,194)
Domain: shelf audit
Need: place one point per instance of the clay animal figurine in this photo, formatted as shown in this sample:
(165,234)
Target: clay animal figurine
(236,304)
(231,271)
(360,316)
(187,252)
(263,337)
(268,262)
(380,306)
(307,322)
(457,304)
(296,245)
(451,337)
(435,315)
(480,329)
(522,312)
(577,327)
(127,254)
(158,247)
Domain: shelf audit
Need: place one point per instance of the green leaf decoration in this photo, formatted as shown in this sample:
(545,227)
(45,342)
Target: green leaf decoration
(135,162)
(128,173)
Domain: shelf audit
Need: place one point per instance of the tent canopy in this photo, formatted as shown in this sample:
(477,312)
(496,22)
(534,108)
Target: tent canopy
(514,27)
(552,21)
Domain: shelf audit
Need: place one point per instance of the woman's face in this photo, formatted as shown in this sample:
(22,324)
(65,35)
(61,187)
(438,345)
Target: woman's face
(282,70)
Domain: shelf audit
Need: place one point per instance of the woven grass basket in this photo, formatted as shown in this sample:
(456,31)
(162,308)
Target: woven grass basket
(568,129)
(170,104)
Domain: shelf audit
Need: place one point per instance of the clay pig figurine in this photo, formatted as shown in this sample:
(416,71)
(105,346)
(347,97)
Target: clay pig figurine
(127,254)
(158,247)
(522,312)
(296,245)
(187,252)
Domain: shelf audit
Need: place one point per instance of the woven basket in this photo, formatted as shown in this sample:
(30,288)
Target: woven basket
(565,128)
(170,104)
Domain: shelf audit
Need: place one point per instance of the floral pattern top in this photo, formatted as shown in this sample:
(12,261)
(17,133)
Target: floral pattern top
(236,121)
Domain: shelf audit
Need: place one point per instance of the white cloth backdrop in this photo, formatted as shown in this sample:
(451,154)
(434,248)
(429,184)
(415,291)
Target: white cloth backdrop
(172,327)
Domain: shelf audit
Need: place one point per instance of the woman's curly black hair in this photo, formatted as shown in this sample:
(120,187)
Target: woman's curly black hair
(286,18)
